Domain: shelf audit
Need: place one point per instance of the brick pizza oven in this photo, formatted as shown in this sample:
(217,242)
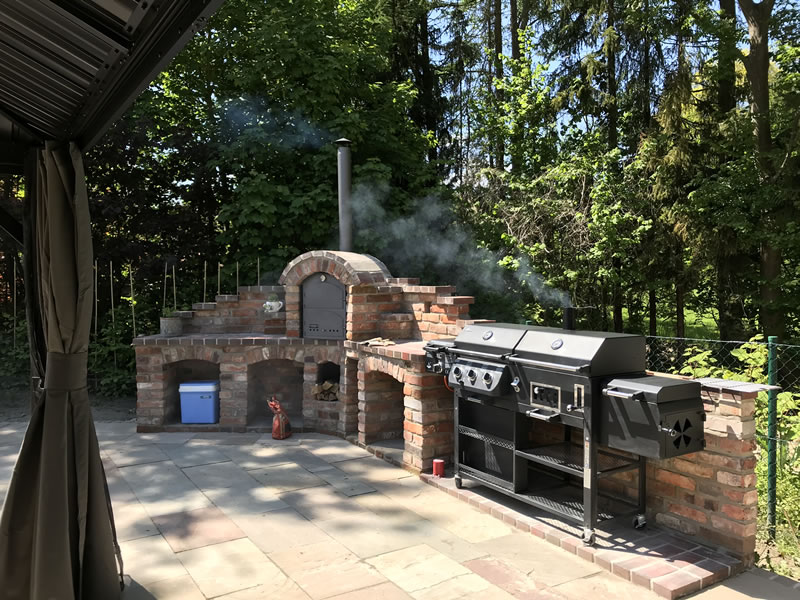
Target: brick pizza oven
(334,302)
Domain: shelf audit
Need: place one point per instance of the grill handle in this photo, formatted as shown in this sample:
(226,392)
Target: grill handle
(615,393)
(547,365)
(476,354)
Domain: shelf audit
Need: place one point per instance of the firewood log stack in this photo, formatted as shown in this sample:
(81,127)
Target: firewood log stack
(327,391)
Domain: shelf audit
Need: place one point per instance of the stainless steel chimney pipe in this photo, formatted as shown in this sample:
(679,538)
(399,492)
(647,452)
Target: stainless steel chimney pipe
(345,211)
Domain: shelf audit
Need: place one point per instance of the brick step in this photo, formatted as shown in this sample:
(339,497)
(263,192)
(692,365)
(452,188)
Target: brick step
(227,298)
(429,289)
(455,300)
(403,280)
(204,306)
(261,288)
(183,314)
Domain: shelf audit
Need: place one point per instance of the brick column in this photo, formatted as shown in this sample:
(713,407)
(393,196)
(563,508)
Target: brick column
(151,382)
(233,409)
(712,494)
(292,310)
(348,398)
(428,420)
(310,369)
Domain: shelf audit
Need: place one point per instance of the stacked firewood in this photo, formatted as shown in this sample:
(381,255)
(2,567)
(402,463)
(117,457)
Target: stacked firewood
(327,391)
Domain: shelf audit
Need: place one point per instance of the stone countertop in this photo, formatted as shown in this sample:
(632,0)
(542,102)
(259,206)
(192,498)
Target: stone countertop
(230,339)
(401,349)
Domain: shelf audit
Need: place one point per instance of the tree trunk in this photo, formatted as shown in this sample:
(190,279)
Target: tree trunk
(613,137)
(516,138)
(726,57)
(514,17)
(757,66)
(652,307)
(604,305)
(729,305)
(617,295)
(428,112)
(498,73)
(647,75)
(680,319)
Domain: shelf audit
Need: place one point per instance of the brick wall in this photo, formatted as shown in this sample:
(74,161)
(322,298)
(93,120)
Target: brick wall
(237,313)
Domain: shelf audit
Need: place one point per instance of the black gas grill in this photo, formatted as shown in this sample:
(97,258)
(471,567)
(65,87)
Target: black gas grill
(506,378)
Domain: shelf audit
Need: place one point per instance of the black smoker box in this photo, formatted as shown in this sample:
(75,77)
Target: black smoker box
(506,378)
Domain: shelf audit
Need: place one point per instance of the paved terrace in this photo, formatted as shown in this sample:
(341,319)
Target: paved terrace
(245,517)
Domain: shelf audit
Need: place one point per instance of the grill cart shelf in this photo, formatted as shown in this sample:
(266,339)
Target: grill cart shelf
(510,379)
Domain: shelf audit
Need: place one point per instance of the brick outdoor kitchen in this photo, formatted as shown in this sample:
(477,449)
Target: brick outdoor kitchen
(384,392)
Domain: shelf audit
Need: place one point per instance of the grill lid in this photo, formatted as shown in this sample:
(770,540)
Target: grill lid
(653,388)
(594,352)
(493,339)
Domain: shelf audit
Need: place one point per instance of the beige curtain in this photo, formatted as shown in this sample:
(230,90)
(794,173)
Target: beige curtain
(57,538)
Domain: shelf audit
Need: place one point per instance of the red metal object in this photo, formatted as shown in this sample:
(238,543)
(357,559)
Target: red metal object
(438,467)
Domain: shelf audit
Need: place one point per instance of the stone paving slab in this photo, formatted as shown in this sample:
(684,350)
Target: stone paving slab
(192,456)
(197,528)
(417,567)
(326,569)
(162,488)
(228,567)
(286,478)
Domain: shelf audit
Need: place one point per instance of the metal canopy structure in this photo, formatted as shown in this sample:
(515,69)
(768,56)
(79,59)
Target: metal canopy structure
(70,68)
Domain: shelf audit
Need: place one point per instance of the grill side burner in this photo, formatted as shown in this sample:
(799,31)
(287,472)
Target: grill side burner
(508,377)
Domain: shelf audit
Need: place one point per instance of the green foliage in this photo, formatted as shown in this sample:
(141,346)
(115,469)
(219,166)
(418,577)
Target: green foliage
(14,361)
(112,361)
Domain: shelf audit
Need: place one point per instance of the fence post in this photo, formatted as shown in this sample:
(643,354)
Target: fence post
(772,434)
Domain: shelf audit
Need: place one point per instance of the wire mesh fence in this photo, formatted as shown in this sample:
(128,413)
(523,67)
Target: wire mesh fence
(740,360)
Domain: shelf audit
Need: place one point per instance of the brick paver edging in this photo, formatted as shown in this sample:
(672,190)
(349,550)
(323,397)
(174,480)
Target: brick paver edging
(668,565)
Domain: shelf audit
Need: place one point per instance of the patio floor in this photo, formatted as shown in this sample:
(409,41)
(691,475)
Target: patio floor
(242,516)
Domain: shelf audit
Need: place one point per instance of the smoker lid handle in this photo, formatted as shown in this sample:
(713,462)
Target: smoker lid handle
(615,393)
(547,365)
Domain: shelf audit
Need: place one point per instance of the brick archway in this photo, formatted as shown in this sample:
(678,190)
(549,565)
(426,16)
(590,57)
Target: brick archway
(349,268)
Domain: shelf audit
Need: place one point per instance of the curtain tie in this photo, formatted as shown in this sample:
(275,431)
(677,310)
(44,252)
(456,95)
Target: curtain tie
(66,372)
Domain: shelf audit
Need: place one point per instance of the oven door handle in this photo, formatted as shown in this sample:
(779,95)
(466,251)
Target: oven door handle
(549,417)
(547,365)
(615,393)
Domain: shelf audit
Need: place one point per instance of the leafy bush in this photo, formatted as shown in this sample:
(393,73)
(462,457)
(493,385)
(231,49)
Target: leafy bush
(14,361)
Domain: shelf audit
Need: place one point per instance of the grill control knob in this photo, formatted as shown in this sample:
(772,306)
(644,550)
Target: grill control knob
(487,379)
(669,430)
(457,372)
(472,375)
(437,368)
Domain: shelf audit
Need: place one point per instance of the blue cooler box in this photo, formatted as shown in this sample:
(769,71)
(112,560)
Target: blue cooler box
(199,401)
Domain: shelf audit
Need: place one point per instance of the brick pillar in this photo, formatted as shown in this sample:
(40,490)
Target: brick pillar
(292,310)
(712,494)
(309,402)
(233,407)
(151,382)
(348,398)
(428,419)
